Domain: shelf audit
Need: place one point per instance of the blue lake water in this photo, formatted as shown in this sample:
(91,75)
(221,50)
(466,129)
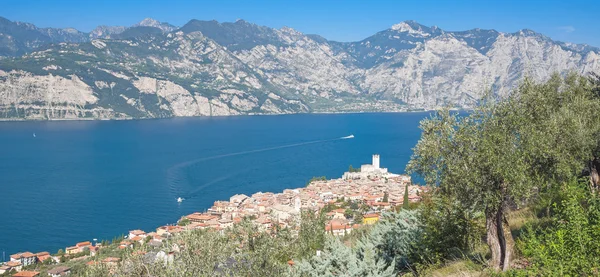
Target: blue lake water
(79,180)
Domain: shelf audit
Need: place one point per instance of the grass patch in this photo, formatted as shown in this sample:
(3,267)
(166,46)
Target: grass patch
(460,268)
(517,219)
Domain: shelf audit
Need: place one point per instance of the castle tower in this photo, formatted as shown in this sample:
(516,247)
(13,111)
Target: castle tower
(376,161)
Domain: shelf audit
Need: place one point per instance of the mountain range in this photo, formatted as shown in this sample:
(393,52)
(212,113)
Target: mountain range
(206,68)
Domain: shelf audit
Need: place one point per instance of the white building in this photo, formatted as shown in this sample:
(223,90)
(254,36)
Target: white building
(25,258)
(374,167)
(369,170)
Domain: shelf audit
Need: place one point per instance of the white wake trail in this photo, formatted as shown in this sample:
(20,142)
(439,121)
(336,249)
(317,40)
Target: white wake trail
(176,174)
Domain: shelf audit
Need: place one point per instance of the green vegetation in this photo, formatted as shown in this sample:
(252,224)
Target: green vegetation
(385,249)
(314,179)
(352,169)
(502,154)
(568,244)
(405,200)
(184,222)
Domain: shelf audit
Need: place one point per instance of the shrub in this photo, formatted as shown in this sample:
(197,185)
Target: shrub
(569,247)
(388,248)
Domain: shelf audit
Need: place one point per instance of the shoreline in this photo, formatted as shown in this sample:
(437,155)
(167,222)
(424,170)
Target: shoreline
(218,116)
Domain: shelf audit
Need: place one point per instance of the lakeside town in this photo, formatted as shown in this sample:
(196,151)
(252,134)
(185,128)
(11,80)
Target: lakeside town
(356,199)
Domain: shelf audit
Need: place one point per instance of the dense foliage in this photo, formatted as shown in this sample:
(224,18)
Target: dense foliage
(386,249)
(503,154)
(568,245)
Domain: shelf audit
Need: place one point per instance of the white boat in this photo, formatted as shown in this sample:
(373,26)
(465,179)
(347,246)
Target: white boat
(179,199)
(34,135)
(348,137)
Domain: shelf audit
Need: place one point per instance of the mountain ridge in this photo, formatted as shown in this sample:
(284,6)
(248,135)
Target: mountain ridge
(208,68)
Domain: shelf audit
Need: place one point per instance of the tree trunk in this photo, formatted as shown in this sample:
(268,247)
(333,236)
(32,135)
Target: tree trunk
(499,239)
(509,244)
(594,175)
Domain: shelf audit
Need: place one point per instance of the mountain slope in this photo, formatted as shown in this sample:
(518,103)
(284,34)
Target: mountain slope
(17,38)
(207,68)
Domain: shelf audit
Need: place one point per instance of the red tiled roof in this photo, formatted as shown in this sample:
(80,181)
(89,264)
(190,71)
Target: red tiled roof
(22,255)
(137,232)
(13,264)
(43,257)
(83,244)
(371,215)
(111,260)
(26,274)
(200,217)
(28,255)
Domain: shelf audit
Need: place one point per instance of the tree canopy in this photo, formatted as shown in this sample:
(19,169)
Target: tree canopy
(504,152)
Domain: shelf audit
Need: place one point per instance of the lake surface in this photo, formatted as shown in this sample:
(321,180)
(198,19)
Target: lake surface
(79,180)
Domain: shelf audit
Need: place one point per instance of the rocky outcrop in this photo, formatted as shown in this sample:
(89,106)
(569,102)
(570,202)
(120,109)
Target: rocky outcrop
(27,96)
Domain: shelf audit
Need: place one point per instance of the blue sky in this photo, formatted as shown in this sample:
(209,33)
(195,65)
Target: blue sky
(573,21)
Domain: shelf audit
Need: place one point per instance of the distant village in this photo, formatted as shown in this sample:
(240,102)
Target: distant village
(356,199)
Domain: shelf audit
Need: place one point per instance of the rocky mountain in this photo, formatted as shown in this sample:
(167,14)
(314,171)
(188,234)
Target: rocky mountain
(150,22)
(17,38)
(106,31)
(207,68)
(112,31)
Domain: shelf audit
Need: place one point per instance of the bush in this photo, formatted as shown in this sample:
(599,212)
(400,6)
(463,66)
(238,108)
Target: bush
(451,230)
(389,247)
(569,247)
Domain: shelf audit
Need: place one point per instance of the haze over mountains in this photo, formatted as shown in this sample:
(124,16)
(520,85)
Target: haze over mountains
(207,68)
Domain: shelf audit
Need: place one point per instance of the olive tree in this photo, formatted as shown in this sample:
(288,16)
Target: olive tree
(501,153)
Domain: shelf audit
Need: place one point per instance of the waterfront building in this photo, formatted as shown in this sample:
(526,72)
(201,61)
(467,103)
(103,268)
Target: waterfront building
(42,256)
(83,245)
(25,258)
(72,250)
(136,233)
(16,265)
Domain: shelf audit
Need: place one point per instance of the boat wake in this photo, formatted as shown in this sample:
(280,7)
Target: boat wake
(179,181)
